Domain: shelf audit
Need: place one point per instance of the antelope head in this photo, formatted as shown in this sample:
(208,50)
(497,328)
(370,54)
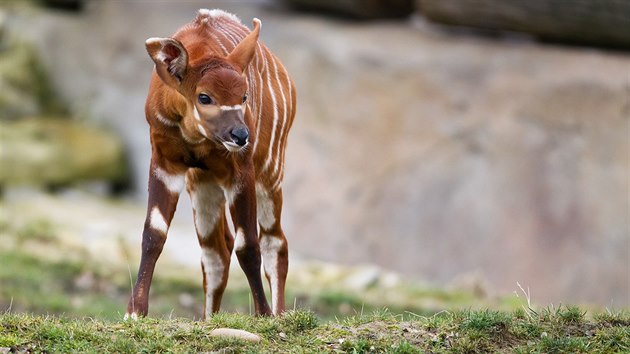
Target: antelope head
(215,88)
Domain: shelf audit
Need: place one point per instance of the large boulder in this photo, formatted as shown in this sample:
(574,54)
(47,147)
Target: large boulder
(367,9)
(51,152)
(599,22)
(25,89)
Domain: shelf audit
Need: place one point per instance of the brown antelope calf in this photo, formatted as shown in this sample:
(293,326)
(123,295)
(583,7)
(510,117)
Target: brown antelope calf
(220,106)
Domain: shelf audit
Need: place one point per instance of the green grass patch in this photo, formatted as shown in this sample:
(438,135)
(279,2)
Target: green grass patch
(302,332)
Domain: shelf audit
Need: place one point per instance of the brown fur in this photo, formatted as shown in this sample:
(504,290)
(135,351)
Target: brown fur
(217,56)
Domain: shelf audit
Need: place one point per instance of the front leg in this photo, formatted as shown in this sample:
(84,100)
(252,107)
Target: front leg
(165,185)
(243,210)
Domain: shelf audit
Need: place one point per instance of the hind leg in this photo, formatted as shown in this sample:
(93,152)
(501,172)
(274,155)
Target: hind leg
(273,244)
(214,238)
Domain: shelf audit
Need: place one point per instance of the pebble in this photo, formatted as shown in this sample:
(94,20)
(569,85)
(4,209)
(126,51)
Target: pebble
(235,333)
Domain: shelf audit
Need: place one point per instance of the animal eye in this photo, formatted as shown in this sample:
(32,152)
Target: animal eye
(205,99)
(244,98)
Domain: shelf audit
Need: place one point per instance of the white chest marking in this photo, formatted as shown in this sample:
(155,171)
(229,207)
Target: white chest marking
(174,183)
(157,220)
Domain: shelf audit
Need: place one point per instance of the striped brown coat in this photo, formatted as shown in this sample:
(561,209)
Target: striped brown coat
(220,106)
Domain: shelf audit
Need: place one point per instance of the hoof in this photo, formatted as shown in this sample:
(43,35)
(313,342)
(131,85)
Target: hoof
(133,316)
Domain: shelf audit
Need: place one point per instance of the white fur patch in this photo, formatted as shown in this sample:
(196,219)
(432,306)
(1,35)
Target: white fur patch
(269,248)
(213,268)
(233,147)
(239,242)
(196,113)
(237,107)
(206,201)
(174,183)
(190,140)
(264,208)
(157,221)
(202,130)
(231,193)
(216,13)
(165,121)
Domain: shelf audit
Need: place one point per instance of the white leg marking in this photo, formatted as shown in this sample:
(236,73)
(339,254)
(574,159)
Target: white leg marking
(133,316)
(174,183)
(269,248)
(231,193)
(213,268)
(264,208)
(157,220)
(206,200)
(239,242)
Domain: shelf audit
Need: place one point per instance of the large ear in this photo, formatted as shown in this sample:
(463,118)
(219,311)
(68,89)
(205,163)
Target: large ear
(170,57)
(244,51)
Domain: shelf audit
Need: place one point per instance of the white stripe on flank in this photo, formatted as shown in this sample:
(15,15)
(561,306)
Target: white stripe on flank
(174,183)
(284,117)
(280,176)
(213,270)
(259,54)
(274,105)
(157,220)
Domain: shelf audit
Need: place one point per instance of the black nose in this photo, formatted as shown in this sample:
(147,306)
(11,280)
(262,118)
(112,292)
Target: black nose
(240,135)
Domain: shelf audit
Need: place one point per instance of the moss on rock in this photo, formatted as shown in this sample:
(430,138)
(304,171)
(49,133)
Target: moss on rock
(25,88)
(44,151)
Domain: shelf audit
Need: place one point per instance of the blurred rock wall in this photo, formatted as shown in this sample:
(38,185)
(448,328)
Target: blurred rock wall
(436,153)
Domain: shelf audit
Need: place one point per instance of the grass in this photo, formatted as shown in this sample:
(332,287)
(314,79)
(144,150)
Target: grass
(303,332)
(56,296)
(46,272)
